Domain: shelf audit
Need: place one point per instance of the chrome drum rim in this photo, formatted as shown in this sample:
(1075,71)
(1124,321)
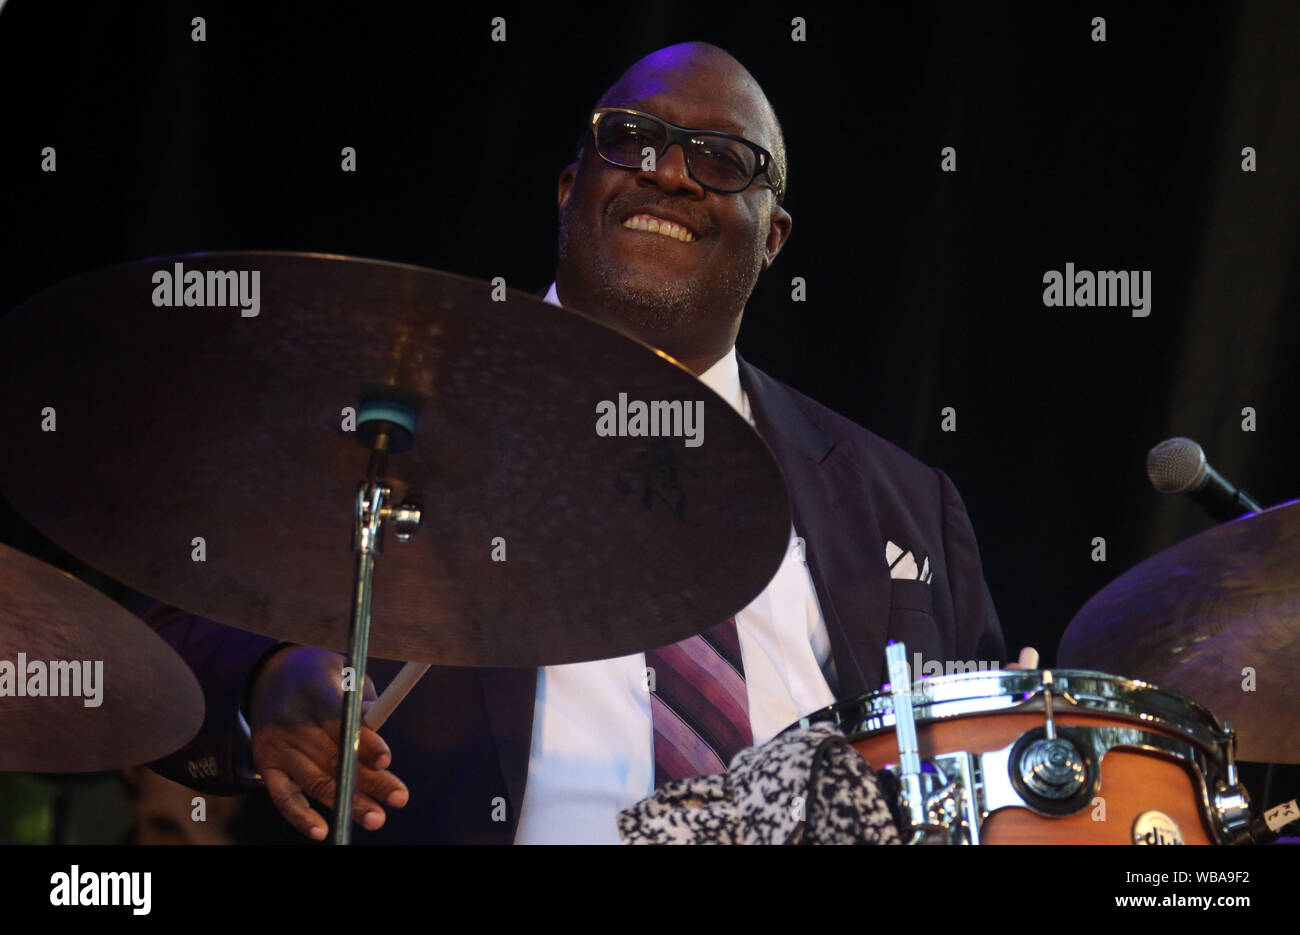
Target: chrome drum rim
(966,694)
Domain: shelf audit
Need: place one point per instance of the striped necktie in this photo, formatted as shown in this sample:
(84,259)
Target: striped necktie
(699,705)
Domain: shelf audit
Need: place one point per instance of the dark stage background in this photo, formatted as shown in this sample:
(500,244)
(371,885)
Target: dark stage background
(924,288)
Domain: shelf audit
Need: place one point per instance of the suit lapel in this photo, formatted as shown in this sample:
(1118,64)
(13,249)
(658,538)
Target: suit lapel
(818,482)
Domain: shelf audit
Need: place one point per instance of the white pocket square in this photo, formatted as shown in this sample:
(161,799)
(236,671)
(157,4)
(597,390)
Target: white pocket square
(902,564)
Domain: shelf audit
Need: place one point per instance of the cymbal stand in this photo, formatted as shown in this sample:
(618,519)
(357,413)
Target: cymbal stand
(373,508)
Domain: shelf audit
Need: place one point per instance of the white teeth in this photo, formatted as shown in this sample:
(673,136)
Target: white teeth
(645,222)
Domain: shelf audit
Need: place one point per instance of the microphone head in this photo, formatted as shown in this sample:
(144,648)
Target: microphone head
(1176,465)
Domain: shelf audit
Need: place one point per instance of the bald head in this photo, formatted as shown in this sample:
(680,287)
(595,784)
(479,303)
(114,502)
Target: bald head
(673,69)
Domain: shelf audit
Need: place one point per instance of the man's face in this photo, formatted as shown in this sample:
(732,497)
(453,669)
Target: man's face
(684,296)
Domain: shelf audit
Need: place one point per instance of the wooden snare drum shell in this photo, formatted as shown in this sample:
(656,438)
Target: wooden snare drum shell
(1132,781)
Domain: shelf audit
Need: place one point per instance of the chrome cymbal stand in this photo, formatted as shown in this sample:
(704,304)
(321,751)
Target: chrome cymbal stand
(390,427)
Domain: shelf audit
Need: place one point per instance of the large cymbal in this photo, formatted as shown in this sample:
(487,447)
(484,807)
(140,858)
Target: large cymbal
(149,703)
(182,422)
(1216,617)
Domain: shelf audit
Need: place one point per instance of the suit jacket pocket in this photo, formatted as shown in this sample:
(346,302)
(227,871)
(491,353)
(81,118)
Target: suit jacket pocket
(911,618)
(906,594)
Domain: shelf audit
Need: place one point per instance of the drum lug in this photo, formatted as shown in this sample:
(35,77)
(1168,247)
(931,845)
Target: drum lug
(1229,800)
(1053,768)
(1231,807)
(1054,775)
(943,802)
(1228,744)
(915,792)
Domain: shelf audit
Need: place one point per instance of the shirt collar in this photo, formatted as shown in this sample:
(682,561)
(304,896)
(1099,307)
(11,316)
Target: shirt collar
(723,377)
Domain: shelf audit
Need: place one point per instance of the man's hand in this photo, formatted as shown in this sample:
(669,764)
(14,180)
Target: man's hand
(1028,659)
(296,706)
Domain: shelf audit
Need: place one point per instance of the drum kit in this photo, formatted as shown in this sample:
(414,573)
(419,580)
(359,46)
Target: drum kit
(247,467)
(1076,755)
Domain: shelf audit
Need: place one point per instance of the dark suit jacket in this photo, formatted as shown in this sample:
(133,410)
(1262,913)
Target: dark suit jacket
(461,740)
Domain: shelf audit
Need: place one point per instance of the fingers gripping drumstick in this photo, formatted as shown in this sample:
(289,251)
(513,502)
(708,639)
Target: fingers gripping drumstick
(397,689)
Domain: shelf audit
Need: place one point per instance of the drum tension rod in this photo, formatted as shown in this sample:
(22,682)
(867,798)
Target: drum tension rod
(1046,690)
(1050,728)
(1229,743)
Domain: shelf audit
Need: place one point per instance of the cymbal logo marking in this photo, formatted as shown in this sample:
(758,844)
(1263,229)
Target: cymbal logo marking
(660,475)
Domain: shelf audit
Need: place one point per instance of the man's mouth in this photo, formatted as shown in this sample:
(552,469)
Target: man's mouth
(657,225)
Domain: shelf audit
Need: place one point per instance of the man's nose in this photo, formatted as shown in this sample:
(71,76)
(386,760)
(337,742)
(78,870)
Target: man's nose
(671,174)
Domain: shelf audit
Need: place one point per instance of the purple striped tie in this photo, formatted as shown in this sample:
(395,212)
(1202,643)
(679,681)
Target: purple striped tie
(699,706)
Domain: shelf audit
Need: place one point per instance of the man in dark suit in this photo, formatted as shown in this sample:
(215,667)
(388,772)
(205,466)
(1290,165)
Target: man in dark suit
(663,234)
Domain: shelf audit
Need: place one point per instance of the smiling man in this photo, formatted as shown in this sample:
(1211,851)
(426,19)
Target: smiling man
(671,256)
(668,216)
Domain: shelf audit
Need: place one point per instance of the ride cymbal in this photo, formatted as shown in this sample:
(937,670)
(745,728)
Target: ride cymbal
(1216,617)
(203,453)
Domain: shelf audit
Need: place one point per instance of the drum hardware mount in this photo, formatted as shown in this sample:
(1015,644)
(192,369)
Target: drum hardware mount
(1051,770)
(915,787)
(1229,799)
(954,797)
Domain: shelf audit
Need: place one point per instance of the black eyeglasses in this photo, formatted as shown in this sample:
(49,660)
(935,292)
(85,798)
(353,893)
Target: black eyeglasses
(720,162)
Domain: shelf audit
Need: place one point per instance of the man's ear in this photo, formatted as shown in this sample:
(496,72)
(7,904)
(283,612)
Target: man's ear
(778,233)
(568,175)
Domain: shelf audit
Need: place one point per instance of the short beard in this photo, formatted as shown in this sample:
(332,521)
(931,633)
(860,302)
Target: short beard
(649,310)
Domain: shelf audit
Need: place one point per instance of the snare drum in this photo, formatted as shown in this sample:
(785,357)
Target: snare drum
(1130,763)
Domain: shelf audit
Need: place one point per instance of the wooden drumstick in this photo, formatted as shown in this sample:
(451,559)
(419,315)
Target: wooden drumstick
(397,689)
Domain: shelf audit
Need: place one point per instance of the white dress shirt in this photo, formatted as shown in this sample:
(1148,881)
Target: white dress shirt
(593,742)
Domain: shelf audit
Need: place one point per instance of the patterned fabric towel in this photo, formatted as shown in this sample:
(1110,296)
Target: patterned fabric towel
(804,787)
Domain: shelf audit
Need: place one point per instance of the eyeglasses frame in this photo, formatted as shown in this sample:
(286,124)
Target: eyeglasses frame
(764,164)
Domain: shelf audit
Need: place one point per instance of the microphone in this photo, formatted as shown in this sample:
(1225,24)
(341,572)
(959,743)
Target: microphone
(1178,465)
